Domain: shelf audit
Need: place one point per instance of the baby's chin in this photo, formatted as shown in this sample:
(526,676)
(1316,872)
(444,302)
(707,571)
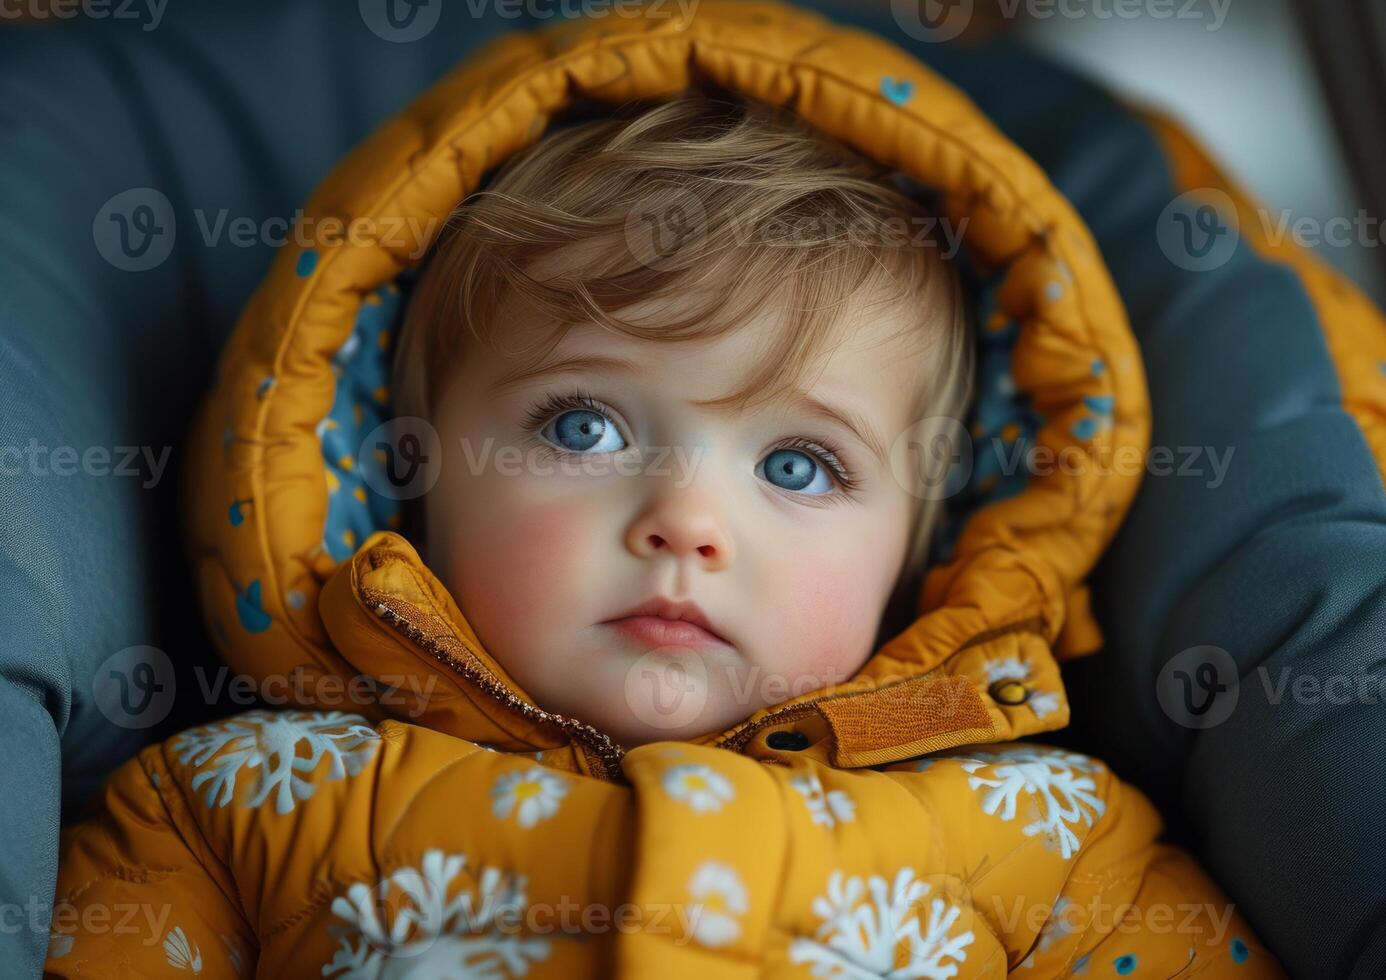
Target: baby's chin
(638,695)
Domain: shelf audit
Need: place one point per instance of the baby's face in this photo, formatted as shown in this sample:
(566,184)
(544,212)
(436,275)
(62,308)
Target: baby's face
(571,497)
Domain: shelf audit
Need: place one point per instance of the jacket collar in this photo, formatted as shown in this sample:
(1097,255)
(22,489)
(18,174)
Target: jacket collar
(393,620)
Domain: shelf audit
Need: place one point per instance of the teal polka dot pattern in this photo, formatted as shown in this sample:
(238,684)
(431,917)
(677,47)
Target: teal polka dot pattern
(355,509)
(897,90)
(250,609)
(1001,421)
(307,262)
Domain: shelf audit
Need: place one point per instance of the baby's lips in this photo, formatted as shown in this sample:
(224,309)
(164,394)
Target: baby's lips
(658,631)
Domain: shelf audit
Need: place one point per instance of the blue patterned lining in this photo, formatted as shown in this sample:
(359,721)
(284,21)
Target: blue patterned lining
(354,508)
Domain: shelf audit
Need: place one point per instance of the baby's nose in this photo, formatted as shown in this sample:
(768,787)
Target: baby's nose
(685,528)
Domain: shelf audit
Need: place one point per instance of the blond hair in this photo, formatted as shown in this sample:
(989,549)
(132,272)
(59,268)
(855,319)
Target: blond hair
(761,210)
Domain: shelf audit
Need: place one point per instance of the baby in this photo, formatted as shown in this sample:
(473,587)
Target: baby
(681,360)
(723,323)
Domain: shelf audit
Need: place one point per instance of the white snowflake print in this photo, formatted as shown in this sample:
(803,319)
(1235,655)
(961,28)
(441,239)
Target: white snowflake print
(181,953)
(1042,703)
(233,952)
(1055,928)
(873,929)
(1064,796)
(269,742)
(828,809)
(408,926)
(719,903)
(532,794)
(703,788)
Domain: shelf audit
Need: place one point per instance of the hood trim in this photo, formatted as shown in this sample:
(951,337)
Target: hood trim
(1018,559)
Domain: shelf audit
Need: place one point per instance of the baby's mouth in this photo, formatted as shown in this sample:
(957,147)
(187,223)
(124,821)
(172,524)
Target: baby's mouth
(662,621)
(657,631)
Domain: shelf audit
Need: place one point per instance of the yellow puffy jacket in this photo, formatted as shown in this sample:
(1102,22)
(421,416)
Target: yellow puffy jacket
(445,825)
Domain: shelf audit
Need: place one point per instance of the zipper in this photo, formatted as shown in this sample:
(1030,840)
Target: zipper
(599,745)
(607,752)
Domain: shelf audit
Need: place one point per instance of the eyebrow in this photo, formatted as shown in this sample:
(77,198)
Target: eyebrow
(853,422)
(568,365)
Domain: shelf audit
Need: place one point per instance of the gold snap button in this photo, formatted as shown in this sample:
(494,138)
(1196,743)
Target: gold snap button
(1009,692)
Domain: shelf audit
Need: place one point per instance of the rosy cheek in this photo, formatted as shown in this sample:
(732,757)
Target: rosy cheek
(826,632)
(517,562)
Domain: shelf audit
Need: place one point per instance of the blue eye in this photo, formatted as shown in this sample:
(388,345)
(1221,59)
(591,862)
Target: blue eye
(790,469)
(582,431)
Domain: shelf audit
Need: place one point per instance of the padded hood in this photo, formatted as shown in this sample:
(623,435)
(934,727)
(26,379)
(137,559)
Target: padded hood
(298,565)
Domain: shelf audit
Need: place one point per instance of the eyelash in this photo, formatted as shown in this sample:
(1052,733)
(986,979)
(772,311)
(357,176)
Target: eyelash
(822,449)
